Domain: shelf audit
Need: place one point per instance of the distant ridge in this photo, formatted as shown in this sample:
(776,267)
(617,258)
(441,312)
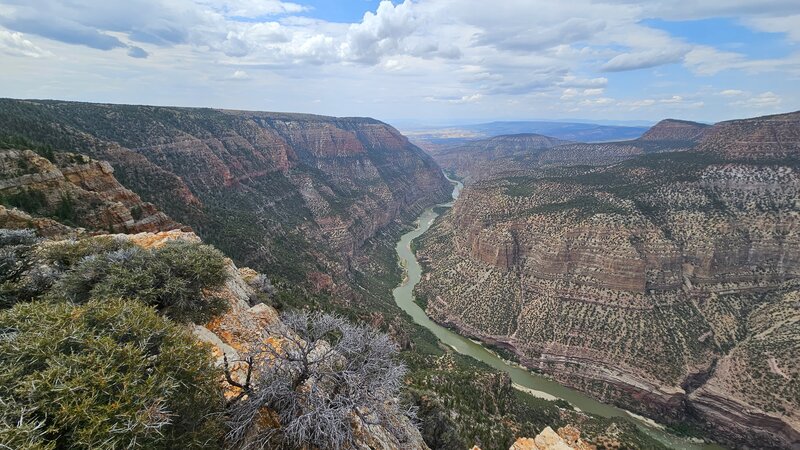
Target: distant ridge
(509,153)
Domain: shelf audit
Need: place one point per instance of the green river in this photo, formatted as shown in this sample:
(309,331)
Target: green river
(522,378)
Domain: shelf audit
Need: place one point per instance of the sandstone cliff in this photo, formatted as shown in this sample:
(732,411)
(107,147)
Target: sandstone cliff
(296,195)
(77,190)
(663,283)
(463,160)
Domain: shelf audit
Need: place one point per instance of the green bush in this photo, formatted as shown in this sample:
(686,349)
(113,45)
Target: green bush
(65,254)
(107,374)
(175,279)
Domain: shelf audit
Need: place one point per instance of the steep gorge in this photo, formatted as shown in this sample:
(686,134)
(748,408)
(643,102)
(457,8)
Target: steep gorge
(666,283)
(291,194)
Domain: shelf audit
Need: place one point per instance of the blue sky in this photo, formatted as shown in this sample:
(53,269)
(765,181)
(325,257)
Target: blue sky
(421,61)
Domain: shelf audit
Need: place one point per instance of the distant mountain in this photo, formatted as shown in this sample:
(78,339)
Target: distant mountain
(568,131)
(442,137)
(676,131)
(509,153)
(463,159)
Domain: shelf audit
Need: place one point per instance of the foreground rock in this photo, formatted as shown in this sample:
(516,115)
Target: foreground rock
(243,330)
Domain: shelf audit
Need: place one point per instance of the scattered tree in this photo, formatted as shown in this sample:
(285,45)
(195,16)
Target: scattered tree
(320,376)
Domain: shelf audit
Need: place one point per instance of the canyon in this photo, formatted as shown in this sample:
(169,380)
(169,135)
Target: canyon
(665,283)
(658,274)
(69,200)
(293,195)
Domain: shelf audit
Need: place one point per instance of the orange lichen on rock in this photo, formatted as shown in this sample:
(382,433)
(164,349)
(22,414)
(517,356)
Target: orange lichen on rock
(160,239)
(567,438)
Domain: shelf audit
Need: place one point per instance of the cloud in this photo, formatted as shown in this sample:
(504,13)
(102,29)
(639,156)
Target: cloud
(765,100)
(104,25)
(542,57)
(643,59)
(63,30)
(15,44)
(731,93)
(137,52)
(527,39)
(782,24)
(253,8)
(470,98)
(381,33)
(708,61)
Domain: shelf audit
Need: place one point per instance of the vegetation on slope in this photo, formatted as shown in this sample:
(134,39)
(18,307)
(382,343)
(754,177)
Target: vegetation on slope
(85,362)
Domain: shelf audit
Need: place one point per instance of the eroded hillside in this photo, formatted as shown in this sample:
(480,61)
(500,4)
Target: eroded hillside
(514,154)
(297,195)
(663,283)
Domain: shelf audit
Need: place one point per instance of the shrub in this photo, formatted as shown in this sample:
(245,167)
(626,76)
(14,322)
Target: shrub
(16,262)
(321,375)
(175,279)
(106,374)
(65,254)
(66,210)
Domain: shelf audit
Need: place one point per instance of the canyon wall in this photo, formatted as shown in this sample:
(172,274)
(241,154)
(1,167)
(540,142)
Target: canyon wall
(666,283)
(77,190)
(294,195)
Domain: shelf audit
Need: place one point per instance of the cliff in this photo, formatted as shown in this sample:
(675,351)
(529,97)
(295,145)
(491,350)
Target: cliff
(768,137)
(295,195)
(663,283)
(464,159)
(242,330)
(77,190)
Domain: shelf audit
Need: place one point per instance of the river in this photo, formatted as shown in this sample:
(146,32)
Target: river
(522,378)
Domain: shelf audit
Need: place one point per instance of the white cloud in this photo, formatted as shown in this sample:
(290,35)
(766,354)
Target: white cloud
(252,8)
(15,44)
(765,100)
(731,93)
(644,59)
(539,56)
(782,24)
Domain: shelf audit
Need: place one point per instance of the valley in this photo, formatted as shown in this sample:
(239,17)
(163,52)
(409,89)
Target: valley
(653,277)
(647,283)
(522,379)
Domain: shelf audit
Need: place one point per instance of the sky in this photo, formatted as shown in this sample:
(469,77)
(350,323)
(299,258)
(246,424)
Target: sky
(416,62)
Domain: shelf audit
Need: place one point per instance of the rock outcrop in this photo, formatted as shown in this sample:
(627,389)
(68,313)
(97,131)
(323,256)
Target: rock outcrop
(666,284)
(292,194)
(244,329)
(75,189)
(567,438)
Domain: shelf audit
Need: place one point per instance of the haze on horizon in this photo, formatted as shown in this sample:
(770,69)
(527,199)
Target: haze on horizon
(437,61)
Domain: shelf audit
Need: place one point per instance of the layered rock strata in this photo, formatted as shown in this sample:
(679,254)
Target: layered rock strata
(666,284)
(292,194)
(76,189)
